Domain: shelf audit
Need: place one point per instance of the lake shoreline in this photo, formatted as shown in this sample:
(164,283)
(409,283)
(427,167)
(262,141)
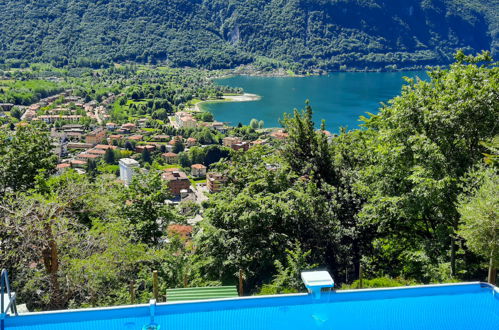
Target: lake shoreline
(339,98)
(246,97)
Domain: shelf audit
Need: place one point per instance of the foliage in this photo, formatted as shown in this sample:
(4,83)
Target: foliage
(379,282)
(26,92)
(421,145)
(402,196)
(23,154)
(480,218)
(287,278)
(270,34)
(109,157)
(143,206)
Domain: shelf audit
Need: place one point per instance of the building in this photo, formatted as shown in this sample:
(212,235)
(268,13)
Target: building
(96,136)
(73,145)
(87,156)
(169,148)
(230,141)
(170,157)
(135,138)
(183,231)
(198,170)
(190,142)
(127,168)
(185,120)
(215,181)
(98,152)
(49,119)
(6,106)
(75,163)
(111,126)
(241,146)
(177,181)
(74,136)
(105,147)
(161,138)
(279,135)
(219,126)
(258,143)
(128,127)
(61,168)
(115,137)
(141,148)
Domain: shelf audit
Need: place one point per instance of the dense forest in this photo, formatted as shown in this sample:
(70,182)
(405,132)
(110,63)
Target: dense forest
(411,198)
(270,34)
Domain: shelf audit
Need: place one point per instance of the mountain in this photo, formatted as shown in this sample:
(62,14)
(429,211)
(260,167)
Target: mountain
(327,34)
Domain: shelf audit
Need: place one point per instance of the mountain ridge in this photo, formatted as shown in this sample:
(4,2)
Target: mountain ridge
(325,34)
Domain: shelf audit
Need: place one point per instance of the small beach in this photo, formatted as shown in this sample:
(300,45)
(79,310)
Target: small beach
(246,97)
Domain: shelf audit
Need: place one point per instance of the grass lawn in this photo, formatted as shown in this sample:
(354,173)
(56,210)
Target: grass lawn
(164,167)
(195,181)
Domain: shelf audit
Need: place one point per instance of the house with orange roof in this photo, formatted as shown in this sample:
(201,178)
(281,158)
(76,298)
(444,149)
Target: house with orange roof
(198,170)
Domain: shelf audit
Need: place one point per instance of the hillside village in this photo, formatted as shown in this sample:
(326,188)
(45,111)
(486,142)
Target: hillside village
(87,140)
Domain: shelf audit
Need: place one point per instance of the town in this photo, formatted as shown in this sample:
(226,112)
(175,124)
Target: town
(85,138)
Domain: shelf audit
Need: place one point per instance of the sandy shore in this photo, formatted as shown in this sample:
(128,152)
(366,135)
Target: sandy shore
(246,97)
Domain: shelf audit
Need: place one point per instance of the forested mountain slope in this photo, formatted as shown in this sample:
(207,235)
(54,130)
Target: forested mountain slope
(225,33)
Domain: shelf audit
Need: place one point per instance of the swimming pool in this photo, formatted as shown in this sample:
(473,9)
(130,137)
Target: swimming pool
(454,306)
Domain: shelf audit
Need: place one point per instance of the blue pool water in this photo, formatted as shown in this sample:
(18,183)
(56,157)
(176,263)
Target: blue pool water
(456,307)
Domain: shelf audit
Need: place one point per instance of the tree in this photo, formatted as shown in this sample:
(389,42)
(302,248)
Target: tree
(129,146)
(261,124)
(109,156)
(67,244)
(480,221)
(306,150)
(92,168)
(259,214)
(145,209)
(44,219)
(254,123)
(288,278)
(178,147)
(214,153)
(146,156)
(16,113)
(23,155)
(183,159)
(420,147)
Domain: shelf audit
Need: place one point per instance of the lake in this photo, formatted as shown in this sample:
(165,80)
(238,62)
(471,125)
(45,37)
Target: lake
(339,98)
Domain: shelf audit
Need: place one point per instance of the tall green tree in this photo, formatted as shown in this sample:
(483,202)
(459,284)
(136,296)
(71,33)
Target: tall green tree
(480,220)
(420,147)
(144,207)
(306,150)
(146,156)
(24,154)
(109,157)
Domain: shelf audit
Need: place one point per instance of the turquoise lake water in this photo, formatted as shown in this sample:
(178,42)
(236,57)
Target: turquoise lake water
(339,98)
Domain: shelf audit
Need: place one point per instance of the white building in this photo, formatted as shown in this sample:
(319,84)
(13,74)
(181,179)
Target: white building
(185,120)
(127,168)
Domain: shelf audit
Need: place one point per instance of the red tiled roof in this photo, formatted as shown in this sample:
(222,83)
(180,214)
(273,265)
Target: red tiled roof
(104,146)
(181,230)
